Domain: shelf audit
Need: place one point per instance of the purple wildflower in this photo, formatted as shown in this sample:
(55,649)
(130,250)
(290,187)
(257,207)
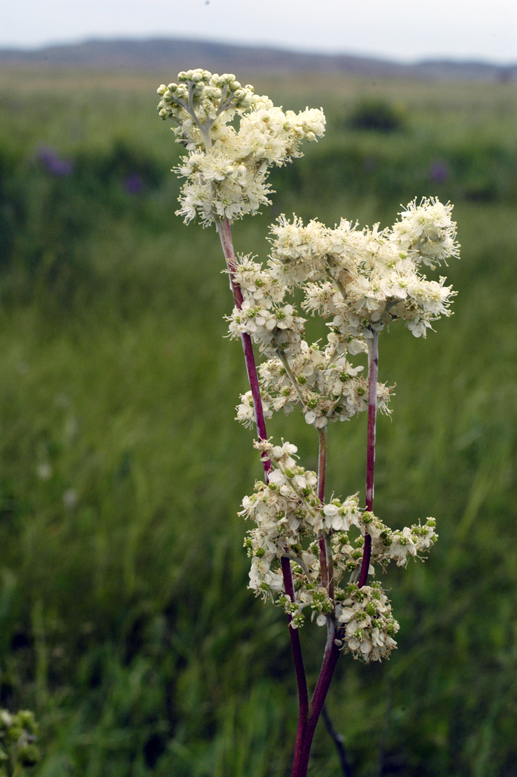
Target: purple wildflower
(133,183)
(53,163)
(439,171)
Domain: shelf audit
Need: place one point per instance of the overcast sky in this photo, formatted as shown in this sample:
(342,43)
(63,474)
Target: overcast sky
(399,29)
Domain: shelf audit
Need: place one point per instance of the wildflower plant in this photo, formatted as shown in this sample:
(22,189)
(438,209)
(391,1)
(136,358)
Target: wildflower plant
(316,559)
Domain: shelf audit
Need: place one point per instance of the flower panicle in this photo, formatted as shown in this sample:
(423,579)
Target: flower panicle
(359,280)
(226,167)
(289,518)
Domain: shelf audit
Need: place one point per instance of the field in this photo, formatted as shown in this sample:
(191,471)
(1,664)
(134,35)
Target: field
(125,621)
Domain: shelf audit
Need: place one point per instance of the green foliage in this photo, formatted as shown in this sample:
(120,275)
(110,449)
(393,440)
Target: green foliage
(377,115)
(124,616)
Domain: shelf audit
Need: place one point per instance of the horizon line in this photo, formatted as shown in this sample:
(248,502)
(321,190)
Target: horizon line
(99,38)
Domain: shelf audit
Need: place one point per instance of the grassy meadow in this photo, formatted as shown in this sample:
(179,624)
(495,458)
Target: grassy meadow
(125,621)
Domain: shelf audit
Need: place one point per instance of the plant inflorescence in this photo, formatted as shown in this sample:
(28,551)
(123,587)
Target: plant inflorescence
(311,556)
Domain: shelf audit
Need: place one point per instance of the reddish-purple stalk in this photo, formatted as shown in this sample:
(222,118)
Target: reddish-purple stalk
(301,678)
(373,372)
(328,666)
(308,716)
(331,651)
(331,655)
(225,234)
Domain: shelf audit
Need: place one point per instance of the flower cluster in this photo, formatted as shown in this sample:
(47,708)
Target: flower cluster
(226,167)
(359,281)
(367,624)
(364,279)
(319,379)
(289,518)
(426,232)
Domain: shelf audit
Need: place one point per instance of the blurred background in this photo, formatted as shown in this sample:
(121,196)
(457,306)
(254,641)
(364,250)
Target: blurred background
(125,621)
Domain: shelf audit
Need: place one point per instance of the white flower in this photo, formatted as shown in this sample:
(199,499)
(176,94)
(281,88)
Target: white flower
(226,167)
(427,232)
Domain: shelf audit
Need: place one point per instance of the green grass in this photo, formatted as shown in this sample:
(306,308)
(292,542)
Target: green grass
(125,621)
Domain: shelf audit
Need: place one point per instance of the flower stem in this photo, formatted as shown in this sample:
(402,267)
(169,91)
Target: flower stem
(331,655)
(294,383)
(322,469)
(322,464)
(301,679)
(328,666)
(225,235)
(327,572)
(373,372)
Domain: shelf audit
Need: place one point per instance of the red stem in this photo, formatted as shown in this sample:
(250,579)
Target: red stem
(224,230)
(301,679)
(327,570)
(373,372)
(328,666)
(332,652)
(330,658)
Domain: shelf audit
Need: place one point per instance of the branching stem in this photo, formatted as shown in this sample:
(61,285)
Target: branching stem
(308,716)
(225,235)
(328,666)
(331,655)
(294,382)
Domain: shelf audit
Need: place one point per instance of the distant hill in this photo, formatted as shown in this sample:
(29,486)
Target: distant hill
(171,55)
